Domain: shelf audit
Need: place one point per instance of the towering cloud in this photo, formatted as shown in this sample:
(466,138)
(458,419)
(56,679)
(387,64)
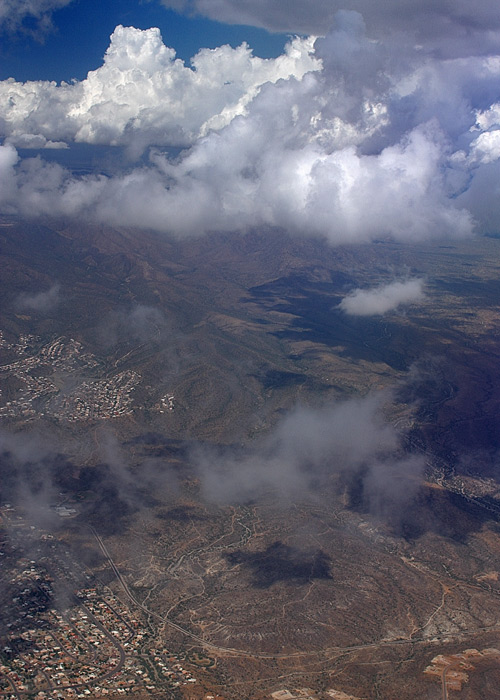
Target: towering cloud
(351,136)
(143,95)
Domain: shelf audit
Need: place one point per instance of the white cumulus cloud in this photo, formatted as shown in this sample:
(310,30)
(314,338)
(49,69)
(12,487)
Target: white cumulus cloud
(347,137)
(486,148)
(379,300)
(235,180)
(143,95)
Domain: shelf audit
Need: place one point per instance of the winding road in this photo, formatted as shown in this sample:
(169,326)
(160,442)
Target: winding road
(263,655)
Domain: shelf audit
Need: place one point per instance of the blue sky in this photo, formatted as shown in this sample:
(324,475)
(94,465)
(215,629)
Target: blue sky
(81,31)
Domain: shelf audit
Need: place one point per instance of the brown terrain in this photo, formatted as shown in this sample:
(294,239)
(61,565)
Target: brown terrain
(155,350)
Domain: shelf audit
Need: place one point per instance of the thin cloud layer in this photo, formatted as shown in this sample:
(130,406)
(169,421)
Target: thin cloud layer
(347,446)
(456,28)
(310,446)
(380,300)
(14,12)
(360,139)
(40,302)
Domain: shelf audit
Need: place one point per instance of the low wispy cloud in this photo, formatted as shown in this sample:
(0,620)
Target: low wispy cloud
(135,325)
(41,302)
(379,300)
(309,446)
(37,472)
(24,465)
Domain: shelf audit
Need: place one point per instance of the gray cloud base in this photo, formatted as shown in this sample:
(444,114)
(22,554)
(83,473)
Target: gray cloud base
(449,29)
